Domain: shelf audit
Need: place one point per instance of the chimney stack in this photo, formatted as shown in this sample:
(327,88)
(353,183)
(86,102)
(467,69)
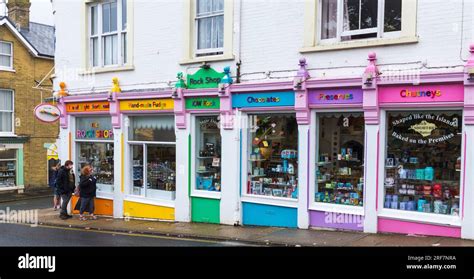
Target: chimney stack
(19,13)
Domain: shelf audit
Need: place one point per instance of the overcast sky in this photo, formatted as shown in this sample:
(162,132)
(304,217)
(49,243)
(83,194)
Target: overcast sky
(41,11)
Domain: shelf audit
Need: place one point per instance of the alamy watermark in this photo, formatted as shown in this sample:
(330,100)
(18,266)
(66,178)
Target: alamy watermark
(12,216)
(343,219)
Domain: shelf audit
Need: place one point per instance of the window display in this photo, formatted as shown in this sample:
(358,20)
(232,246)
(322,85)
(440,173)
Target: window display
(101,157)
(273,155)
(94,138)
(7,168)
(423,161)
(340,164)
(153,154)
(208,153)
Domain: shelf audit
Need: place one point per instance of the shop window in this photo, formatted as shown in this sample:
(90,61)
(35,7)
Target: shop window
(7,167)
(95,147)
(346,20)
(108,33)
(273,155)
(208,153)
(6,111)
(340,164)
(6,55)
(101,157)
(153,152)
(423,161)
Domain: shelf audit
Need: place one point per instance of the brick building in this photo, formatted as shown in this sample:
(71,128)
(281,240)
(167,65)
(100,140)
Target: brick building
(26,60)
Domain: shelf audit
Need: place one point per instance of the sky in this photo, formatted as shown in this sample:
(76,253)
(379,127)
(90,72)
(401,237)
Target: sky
(41,11)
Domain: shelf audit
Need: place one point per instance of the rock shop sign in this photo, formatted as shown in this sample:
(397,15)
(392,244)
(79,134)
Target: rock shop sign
(205,78)
(417,128)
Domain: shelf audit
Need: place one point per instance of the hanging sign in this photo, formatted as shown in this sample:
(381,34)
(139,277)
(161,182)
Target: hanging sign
(205,78)
(47,113)
(425,128)
(336,96)
(146,105)
(276,99)
(200,103)
(88,107)
(422,94)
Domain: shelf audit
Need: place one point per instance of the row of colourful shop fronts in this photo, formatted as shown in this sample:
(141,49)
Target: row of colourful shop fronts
(362,154)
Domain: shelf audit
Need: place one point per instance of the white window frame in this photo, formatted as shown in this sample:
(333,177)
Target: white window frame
(415,216)
(207,51)
(129,170)
(190,39)
(122,59)
(312,30)
(12,132)
(340,24)
(6,54)
(314,138)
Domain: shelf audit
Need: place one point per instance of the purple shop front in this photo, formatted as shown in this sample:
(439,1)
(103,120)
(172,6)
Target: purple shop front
(334,204)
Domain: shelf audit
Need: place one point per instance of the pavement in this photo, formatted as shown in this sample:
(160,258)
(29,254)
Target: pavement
(268,236)
(13,196)
(245,235)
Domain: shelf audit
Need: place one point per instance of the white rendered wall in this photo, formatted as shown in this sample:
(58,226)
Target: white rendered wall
(271,34)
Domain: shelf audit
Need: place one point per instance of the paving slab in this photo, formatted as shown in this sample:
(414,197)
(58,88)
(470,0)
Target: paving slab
(394,240)
(312,237)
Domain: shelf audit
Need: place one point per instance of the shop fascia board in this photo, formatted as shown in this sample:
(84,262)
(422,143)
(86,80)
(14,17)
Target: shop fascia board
(261,87)
(143,96)
(453,77)
(85,98)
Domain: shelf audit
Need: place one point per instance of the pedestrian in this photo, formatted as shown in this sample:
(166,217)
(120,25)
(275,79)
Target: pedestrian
(54,186)
(66,183)
(87,192)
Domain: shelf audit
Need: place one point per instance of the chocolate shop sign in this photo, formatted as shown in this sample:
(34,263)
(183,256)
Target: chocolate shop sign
(410,128)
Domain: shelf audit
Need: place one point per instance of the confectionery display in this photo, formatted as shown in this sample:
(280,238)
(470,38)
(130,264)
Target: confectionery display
(208,158)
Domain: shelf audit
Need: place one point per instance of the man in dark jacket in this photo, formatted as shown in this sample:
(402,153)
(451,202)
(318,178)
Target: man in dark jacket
(65,182)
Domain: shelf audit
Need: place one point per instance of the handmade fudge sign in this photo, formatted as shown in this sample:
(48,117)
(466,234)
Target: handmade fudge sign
(145,105)
(336,96)
(425,128)
(422,94)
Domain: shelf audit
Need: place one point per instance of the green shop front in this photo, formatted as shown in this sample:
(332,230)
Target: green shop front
(11,163)
(198,109)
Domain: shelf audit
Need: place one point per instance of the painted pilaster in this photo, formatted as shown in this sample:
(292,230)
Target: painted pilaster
(372,128)
(467,225)
(230,196)
(119,165)
(119,155)
(303,117)
(20,173)
(182,202)
(179,102)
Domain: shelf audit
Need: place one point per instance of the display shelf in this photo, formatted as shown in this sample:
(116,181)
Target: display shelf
(205,158)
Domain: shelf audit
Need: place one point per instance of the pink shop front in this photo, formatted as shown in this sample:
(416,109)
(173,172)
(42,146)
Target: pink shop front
(421,159)
(388,158)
